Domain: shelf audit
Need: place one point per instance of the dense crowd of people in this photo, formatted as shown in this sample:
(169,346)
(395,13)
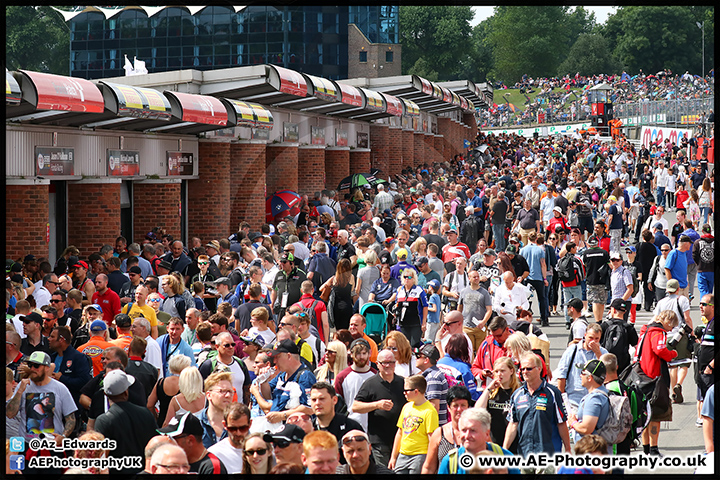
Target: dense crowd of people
(557,99)
(388,329)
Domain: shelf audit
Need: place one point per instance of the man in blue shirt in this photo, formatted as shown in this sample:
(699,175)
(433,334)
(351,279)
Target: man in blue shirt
(579,353)
(535,256)
(660,237)
(676,264)
(594,407)
(172,344)
(692,266)
(537,413)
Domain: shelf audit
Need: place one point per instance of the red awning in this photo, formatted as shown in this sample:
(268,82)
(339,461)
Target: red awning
(351,95)
(197,108)
(394,105)
(138,102)
(54,92)
(324,88)
(427,87)
(13,94)
(291,82)
(375,100)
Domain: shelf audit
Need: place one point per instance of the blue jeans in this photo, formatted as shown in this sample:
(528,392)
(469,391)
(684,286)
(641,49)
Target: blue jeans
(705,282)
(570,293)
(660,197)
(499,236)
(705,211)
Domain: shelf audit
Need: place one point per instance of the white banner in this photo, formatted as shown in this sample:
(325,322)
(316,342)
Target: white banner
(657,135)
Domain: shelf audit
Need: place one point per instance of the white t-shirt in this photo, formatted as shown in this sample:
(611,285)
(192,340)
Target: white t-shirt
(238,376)
(312,340)
(267,334)
(153,354)
(230,456)
(18,324)
(662,177)
(350,386)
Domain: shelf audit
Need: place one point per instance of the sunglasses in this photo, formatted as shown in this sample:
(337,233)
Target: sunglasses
(408,278)
(282,443)
(385,364)
(241,428)
(357,438)
(203,263)
(27,321)
(406,390)
(226,345)
(616,260)
(259,451)
(34,365)
(154,300)
(526,369)
(56,301)
(703,304)
(451,323)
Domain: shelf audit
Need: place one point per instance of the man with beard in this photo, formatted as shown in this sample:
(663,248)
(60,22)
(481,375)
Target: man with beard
(237,422)
(349,381)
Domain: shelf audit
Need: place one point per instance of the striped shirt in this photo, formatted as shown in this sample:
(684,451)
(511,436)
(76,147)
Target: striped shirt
(437,388)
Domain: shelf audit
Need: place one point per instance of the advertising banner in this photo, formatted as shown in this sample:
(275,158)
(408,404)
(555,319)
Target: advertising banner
(123,163)
(54,161)
(180,164)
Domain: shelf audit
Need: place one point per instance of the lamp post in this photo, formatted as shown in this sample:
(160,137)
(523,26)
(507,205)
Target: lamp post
(701,26)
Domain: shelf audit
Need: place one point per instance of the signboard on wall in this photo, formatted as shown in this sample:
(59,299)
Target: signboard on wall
(318,135)
(341,138)
(363,140)
(658,135)
(54,161)
(291,132)
(180,163)
(123,163)
(260,134)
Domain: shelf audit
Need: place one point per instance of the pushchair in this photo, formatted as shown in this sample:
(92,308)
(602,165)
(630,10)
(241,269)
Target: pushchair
(376,326)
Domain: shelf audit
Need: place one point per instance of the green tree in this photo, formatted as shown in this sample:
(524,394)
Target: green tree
(36,39)
(590,55)
(532,40)
(652,38)
(440,35)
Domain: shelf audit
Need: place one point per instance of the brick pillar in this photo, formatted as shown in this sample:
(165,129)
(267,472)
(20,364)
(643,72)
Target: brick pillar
(408,144)
(379,136)
(395,152)
(147,195)
(337,165)
(445,129)
(93,214)
(438,144)
(359,162)
(281,167)
(26,219)
(429,148)
(311,169)
(419,149)
(247,183)
(470,121)
(209,207)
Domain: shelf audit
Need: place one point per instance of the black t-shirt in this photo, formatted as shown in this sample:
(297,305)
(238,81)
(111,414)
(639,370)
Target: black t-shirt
(69,321)
(136,393)
(499,407)
(205,466)
(382,425)
(596,259)
(27,348)
(339,426)
(520,265)
(131,426)
(436,239)
(345,251)
(144,373)
(677,229)
(499,212)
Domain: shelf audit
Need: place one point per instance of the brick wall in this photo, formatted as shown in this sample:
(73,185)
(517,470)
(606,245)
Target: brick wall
(93,215)
(359,162)
(247,184)
(146,199)
(408,144)
(337,165)
(395,152)
(470,121)
(281,167)
(209,208)
(311,169)
(438,143)
(419,149)
(26,217)
(379,137)
(445,129)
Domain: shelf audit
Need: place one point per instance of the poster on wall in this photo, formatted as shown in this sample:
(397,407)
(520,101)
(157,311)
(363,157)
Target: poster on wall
(363,140)
(260,134)
(123,163)
(341,138)
(318,135)
(54,161)
(291,132)
(180,163)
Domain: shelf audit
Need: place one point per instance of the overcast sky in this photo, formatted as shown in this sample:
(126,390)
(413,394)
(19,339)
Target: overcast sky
(601,13)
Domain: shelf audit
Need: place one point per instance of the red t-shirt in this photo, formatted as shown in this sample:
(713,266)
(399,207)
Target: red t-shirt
(681,196)
(110,304)
(451,252)
(307,300)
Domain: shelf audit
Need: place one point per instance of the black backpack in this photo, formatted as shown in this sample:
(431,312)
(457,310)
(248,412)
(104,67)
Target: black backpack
(615,341)
(566,268)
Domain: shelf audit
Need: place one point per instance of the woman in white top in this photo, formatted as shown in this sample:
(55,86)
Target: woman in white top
(661,280)
(399,345)
(191,397)
(706,200)
(259,318)
(670,190)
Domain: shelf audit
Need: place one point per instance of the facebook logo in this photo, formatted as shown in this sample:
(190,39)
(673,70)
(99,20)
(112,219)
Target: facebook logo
(17,444)
(17,462)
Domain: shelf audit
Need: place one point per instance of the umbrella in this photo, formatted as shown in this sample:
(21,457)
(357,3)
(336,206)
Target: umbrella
(357,180)
(282,204)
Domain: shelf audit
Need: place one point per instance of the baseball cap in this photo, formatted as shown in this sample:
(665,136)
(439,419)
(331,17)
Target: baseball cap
(255,235)
(223,281)
(32,317)
(123,320)
(165,264)
(595,367)
(672,286)
(286,346)
(706,228)
(95,306)
(658,226)
(39,357)
(613,198)
(258,340)
(182,424)
(401,253)
(213,244)
(452,230)
(98,326)
(511,250)
(619,304)
(428,351)
(387,211)
(389,240)
(360,341)
(593,241)
(117,382)
(615,256)
(289,434)
(630,248)
(421,261)
(575,303)
(151,236)
(434,284)
(135,269)
(287,257)
(557,209)
(81,263)
(490,252)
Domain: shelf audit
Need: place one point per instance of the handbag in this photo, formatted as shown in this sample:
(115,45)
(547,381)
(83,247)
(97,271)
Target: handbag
(325,292)
(633,374)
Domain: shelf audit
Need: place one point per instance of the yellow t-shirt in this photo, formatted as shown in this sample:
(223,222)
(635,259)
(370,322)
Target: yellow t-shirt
(416,424)
(305,351)
(147,311)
